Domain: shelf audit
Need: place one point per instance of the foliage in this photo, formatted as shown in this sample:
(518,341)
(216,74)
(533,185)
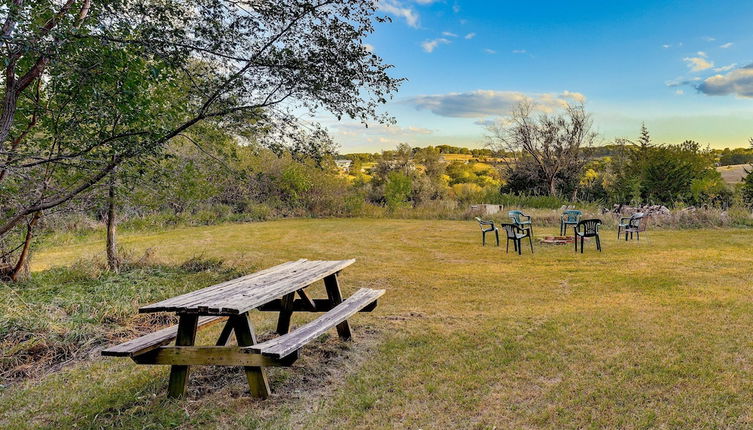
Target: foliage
(665,174)
(91,87)
(546,147)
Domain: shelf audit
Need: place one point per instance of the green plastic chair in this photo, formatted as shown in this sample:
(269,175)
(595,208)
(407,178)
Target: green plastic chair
(568,218)
(587,228)
(516,235)
(517,218)
(631,224)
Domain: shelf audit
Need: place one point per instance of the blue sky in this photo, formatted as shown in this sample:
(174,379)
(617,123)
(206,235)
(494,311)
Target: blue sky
(678,66)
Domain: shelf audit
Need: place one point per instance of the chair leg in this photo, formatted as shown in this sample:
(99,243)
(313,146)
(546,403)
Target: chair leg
(582,239)
(619,229)
(496,234)
(507,246)
(515,244)
(638,235)
(576,242)
(483,238)
(520,246)
(530,241)
(598,243)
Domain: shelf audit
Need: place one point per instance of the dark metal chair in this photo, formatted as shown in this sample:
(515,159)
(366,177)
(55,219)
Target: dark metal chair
(587,228)
(631,224)
(516,235)
(487,227)
(569,218)
(517,219)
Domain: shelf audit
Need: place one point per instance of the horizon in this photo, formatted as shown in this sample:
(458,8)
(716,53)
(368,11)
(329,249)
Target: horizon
(682,68)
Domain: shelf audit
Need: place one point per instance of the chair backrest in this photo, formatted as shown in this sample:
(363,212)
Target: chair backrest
(482,223)
(589,227)
(515,216)
(572,215)
(635,220)
(510,230)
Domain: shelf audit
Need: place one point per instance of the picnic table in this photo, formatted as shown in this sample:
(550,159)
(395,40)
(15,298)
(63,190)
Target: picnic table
(270,290)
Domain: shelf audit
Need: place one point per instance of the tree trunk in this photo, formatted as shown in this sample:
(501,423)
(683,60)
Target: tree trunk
(113,262)
(552,187)
(22,266)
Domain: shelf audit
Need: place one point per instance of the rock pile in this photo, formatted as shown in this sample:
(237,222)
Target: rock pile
(648,210)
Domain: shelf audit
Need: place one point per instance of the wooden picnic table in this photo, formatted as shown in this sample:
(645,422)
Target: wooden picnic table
(270,290)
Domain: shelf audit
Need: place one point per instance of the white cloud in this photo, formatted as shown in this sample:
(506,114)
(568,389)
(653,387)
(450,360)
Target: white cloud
(726,68)
(425,1)
(470,36)
(679,92)
(697,64)
(490,51)
(456,8)
(369,47)
(430,45)
(449,34)
(486,103)
(394,7)
(708,38)
(738,82)
(726,45)
(702,54)
(519,51)
(666,46)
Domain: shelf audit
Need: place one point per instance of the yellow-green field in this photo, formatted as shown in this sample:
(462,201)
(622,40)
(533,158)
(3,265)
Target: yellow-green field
(733,174)
(649,334)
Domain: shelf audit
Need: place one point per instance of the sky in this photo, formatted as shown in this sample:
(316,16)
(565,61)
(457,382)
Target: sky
(684,68)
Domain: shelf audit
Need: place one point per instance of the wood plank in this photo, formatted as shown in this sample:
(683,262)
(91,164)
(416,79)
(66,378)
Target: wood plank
(336,297)
(258,381)
(282,346)
(249,292)
(271,274)
(208,355)
(308,302)
(153,340)
(227,330)
(286,313)
(321,305)
(187,327)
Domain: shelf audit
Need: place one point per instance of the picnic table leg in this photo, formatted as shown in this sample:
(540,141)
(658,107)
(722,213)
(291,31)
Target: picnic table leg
(286,311)
(186,336)
(336,297)
(258,382)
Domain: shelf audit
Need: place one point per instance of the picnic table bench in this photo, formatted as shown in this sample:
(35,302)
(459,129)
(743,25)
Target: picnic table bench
(271,290)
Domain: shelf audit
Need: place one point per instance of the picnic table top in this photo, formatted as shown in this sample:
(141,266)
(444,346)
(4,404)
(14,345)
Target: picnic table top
(251,291)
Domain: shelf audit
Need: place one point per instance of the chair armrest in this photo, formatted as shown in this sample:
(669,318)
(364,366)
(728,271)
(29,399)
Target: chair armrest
(628,218)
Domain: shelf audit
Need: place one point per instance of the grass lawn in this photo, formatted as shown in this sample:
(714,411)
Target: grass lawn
(650,334)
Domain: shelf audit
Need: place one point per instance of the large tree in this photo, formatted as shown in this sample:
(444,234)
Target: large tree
(91,85)
(547,145)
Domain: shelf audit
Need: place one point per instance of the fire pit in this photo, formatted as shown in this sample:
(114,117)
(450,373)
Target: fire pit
(558,240)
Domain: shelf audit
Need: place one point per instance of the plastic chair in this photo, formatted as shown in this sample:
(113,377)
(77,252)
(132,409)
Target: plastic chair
(487,227)
(569,217)
(516,235)
(517,218)
(587,228)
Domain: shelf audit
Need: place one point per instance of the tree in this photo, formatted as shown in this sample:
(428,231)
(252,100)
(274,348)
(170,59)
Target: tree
(552,143)
(88,87)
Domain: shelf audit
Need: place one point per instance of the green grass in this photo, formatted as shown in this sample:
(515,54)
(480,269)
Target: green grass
(650,334)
